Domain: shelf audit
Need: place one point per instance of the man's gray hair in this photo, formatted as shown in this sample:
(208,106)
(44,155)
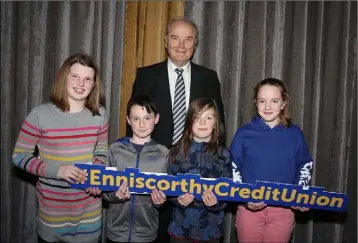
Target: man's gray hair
(184,20)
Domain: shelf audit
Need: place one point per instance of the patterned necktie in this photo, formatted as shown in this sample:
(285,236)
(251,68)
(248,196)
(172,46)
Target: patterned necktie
(179,110)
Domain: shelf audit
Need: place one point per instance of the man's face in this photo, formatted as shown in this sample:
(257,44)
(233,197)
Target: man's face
(180,43)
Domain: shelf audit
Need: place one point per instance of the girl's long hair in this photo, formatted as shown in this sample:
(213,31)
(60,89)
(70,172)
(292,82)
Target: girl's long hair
(196,108)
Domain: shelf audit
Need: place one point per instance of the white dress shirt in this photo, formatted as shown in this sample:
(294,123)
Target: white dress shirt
(173,78)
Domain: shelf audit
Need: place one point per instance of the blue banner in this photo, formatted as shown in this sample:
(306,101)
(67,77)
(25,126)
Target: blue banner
(225,189)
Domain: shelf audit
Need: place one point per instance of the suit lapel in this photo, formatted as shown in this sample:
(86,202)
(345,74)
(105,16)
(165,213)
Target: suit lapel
(195,83)
(164,89)
(164,80)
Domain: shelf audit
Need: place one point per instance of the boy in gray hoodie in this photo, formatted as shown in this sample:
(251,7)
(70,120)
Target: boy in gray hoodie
(134,218)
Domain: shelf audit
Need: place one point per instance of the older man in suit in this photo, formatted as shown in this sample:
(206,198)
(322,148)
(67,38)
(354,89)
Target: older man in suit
(172,85)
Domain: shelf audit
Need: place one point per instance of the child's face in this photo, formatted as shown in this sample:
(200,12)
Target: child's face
(203,126)
(80,81)
(269,104)
(142,122)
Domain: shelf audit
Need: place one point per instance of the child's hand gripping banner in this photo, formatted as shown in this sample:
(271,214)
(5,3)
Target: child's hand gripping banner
(108,179)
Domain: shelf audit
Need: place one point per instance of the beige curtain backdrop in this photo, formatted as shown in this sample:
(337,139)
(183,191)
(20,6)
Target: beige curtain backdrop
(144,41)
(36,37)
(312,47)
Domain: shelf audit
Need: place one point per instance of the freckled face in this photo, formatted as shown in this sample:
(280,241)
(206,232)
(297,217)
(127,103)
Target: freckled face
(80,82)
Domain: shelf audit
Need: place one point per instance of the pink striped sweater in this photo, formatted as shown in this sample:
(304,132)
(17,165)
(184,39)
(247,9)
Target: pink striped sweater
(63,138)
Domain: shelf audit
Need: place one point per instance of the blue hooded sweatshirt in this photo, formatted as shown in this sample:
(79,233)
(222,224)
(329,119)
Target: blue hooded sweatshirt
(278,154)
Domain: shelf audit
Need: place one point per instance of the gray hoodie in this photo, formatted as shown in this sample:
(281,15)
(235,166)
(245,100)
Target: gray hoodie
(134,220)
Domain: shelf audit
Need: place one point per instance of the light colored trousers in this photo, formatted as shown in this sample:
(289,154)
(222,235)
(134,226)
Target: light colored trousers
(269,225)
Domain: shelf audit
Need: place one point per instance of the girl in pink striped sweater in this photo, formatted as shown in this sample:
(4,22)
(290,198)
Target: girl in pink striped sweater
(73,128)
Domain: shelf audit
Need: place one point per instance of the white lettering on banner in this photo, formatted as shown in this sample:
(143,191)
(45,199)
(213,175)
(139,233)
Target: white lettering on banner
(236,176)
(305,175)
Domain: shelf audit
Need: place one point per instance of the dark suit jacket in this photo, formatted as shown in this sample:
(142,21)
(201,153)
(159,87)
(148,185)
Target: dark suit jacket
(153,81)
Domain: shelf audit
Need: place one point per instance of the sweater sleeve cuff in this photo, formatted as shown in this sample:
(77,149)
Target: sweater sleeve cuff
(115,199)
(213,208)
(52,169)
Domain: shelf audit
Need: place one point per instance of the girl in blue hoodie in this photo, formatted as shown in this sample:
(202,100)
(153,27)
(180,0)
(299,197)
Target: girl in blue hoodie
(199,151)
(269,148)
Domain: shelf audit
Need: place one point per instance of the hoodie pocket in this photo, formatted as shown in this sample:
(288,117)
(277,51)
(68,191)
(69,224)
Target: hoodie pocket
(145,215)
(119,215)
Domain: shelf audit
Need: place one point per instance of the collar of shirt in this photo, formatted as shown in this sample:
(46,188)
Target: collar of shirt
(186,68)
(172,75)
